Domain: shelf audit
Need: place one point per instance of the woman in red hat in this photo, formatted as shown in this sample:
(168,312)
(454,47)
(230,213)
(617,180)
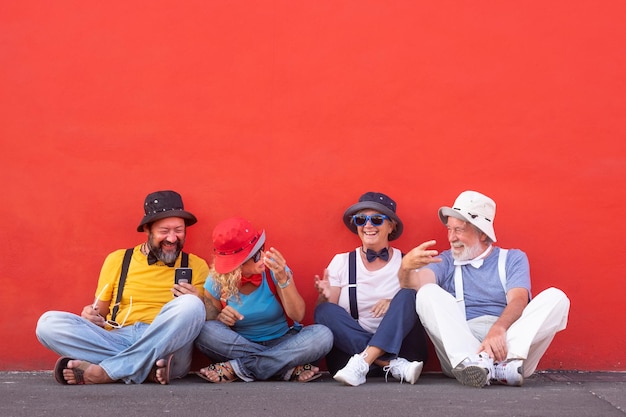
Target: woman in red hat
(249,294)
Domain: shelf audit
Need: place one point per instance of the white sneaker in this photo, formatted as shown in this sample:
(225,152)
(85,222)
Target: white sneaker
(509,372)
(475,370)
(404,370)
(354,372)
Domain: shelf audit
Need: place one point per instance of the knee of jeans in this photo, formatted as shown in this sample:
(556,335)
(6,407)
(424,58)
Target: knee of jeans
(322,312)
(325,339)
(51,324)
(192,306)
(406,294)
(45,325)
(41,327)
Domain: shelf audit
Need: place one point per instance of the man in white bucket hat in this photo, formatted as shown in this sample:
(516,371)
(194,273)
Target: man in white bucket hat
(475,303)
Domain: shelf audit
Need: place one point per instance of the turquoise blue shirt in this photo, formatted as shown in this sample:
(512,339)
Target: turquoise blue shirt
(263,316)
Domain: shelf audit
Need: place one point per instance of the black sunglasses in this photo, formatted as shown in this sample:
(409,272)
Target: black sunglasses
(375,219)
(257,256)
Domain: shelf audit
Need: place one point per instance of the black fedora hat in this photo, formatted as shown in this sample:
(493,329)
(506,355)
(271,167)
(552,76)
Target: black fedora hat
(374,201)
(162,204)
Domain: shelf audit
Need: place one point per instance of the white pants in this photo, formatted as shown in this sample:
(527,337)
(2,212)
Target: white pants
(455,338)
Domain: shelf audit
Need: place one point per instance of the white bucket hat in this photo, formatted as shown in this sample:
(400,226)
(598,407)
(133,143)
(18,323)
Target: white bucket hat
(475,208)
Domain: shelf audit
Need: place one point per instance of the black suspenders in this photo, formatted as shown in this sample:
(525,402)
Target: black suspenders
(354,311)
(120,287)
(184,262)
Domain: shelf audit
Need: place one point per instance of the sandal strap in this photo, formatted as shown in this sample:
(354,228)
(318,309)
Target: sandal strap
(298,370)
(219,369)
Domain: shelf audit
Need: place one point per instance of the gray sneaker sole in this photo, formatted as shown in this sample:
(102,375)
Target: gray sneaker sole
(473,376)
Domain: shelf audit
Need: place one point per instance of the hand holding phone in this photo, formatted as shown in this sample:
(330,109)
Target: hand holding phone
(182,275)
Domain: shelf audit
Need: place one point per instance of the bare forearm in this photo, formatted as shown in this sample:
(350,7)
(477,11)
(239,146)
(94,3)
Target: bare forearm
(415,259)
(293,303)
(211,310)
(416,279)
(517,300)
(408,278)
(510,314)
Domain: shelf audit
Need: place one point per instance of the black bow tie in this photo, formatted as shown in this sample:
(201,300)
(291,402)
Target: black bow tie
(152,259)
(372,255)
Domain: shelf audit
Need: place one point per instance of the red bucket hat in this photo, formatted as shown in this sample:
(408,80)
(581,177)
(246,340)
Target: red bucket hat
(235,241)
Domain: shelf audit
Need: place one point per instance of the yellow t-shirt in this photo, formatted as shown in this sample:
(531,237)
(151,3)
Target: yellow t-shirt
(149,285)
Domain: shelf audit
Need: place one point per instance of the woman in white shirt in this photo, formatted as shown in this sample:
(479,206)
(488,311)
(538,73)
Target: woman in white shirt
(368,329)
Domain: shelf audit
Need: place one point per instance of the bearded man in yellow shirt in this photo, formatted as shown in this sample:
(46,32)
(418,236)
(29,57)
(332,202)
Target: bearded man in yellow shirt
(142,324)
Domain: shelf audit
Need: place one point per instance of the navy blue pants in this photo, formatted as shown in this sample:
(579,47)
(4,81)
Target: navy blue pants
(400,332)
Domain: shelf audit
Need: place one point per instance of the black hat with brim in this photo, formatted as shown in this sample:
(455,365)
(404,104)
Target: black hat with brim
(374,201)
(163,204)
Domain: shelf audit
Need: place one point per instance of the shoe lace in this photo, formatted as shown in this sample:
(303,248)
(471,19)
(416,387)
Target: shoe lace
(391,368)
(387,369)
(358,366)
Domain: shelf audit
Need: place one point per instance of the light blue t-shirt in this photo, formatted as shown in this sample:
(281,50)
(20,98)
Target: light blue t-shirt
(482,288)
(263,316)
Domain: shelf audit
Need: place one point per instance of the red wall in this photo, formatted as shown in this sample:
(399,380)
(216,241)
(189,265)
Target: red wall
(285,112)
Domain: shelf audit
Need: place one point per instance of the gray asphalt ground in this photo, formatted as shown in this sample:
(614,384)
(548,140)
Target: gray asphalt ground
(543,394)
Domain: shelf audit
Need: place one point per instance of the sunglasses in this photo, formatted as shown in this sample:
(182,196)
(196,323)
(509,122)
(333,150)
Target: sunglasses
(257,256)
(374,219)
(112,323)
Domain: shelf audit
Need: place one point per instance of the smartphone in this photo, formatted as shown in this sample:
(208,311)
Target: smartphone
(182,275)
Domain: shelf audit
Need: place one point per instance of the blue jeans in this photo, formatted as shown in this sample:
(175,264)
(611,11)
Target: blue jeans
(400,332)
(129,353)
(264,360)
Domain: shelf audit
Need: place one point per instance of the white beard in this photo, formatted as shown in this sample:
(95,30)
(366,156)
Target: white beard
(468,253)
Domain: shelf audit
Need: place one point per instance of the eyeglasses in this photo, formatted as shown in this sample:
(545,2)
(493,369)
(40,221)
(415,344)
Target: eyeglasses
(112,323)
(374,219)
(456,230)
(257,256)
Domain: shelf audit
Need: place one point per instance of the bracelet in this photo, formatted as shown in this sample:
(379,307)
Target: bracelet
(283,286)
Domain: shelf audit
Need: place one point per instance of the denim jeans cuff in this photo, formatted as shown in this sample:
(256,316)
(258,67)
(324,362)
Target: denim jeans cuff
(239,371)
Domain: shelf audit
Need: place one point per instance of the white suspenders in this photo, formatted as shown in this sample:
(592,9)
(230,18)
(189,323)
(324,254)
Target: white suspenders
(502,267)
(458,279)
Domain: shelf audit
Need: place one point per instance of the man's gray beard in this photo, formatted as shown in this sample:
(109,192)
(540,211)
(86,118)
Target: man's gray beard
(468,253)
(165,257)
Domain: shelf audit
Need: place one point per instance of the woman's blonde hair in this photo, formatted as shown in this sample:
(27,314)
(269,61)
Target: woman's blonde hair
(227,285)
